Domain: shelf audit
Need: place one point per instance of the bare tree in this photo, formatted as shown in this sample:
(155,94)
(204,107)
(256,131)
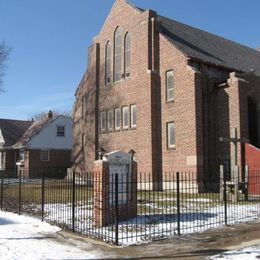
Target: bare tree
(42,115)
(4,53)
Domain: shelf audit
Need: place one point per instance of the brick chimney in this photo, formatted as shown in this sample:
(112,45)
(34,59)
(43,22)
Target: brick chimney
(50,114)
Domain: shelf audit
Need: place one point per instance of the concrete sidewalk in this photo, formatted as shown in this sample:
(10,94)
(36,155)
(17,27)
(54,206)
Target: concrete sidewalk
(195,246)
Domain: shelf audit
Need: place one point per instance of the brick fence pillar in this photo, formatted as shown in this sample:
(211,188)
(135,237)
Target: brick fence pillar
(104,209)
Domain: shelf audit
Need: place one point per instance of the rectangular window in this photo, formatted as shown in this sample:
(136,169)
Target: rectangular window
(110,120)
(169,86)
(60,130)
(133,116)
(125,117)
(2,160)
(171,135)
(45,155)
(83,107)
(21,155)
(83,144)
(117,119)
(103,120)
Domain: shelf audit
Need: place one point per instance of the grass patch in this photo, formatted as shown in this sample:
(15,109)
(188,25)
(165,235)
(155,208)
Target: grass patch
(54,192)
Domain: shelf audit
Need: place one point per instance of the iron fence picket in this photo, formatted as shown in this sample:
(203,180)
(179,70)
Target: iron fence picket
(43,195)
(185,204)
(178,204)
(2,191)
(73,201)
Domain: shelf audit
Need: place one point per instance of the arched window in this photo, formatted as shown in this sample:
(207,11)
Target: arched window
(127,69)
(108,63)
(117,55)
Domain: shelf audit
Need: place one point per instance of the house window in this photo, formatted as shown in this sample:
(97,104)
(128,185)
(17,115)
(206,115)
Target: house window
(127,53)
(110,120)
(169,86)
(171,135)
(21,155)
(108,63)
(2,160)
(117,55)
(83,144)
(133,116)
(60,130)
(83,107)
(103,120)
(45,155)
(125,117)
(117,119)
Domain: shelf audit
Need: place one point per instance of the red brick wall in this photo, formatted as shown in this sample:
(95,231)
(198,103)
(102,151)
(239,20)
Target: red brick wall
(147,76)
(10,162)
(123,93)
(58,159)
(252,159)
(202,111)
(182,111)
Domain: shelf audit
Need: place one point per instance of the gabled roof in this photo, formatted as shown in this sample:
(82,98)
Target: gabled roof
(33,130)
(13,130)
(209,48)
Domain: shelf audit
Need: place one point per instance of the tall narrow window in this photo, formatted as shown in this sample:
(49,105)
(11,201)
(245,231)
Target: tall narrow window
(169,86)
(127,55)
(117,119)
(108,63)
(83,107)
(83,144)
(171,135)
(21,154)
(133,116)
(110,120)
(103,121)
(125,117)
(117,55)
(2,160)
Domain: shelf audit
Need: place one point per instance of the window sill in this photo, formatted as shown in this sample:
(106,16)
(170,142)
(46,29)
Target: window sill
(171,148)
(170,101)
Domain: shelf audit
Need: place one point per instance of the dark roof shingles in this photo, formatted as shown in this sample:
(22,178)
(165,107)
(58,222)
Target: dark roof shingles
(210,48)
(13,130)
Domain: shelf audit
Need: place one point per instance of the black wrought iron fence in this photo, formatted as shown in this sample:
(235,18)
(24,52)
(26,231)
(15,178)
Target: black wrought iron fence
(116,213)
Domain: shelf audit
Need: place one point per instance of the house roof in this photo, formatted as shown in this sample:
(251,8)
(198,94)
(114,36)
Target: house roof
(13,130)
(33,130)
(209,48)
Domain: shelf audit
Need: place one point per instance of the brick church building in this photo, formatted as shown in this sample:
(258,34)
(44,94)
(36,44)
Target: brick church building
(169,92)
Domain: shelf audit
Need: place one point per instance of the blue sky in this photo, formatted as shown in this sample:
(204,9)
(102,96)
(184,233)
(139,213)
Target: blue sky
(50,38)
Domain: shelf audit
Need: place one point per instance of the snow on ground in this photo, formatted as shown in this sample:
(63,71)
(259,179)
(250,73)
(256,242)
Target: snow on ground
(248,253)
(145,228)
(28,238)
